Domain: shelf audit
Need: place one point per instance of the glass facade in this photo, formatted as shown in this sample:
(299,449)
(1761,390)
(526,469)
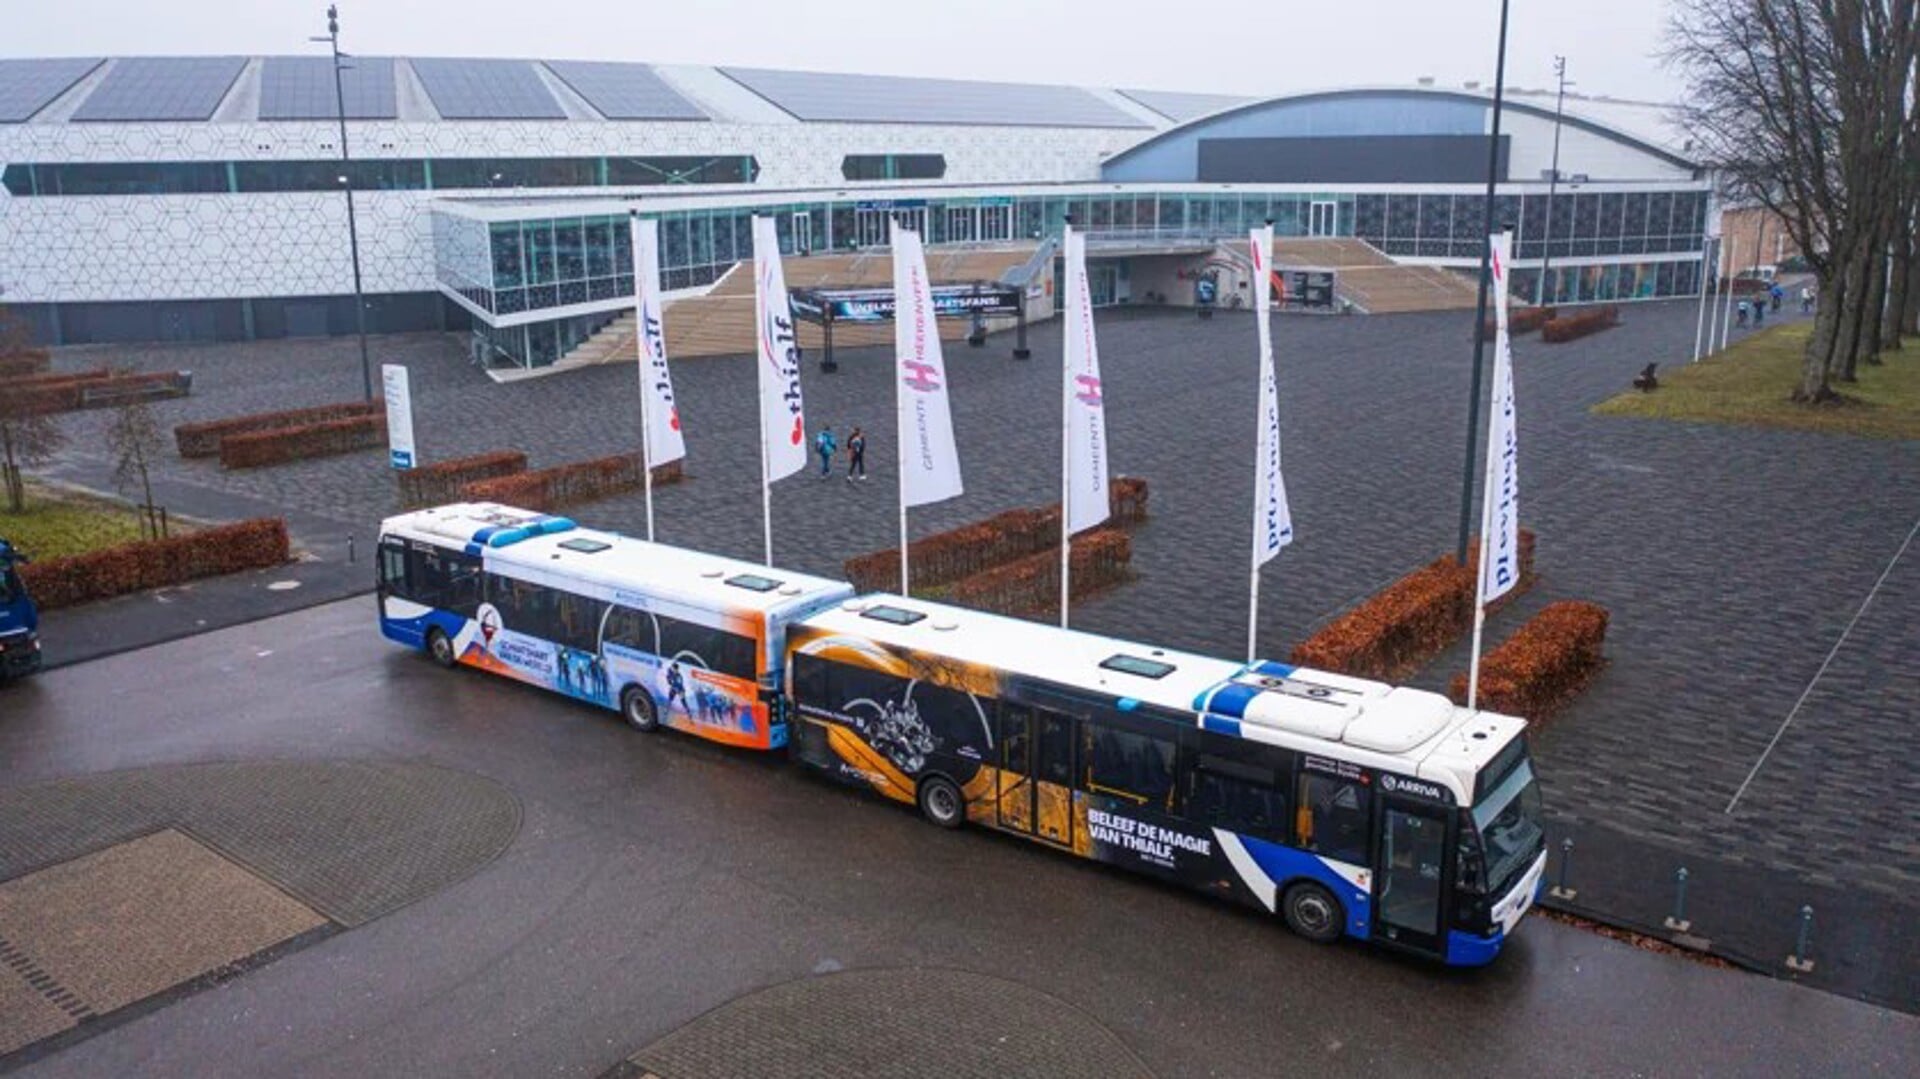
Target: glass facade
(373,174)
(513,269)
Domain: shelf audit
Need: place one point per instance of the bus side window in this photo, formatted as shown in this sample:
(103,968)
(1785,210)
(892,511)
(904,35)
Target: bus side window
(1134,766)
(1237,795)
(393,567)
(1332,819)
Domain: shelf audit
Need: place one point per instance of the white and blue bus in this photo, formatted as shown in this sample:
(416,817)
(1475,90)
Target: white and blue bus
(1345,807)
(664,635)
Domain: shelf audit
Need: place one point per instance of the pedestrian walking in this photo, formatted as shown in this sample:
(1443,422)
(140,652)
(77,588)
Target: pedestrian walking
(856,455)
(1806,299)
(1759,308)
(1776,294)
(825,444)
(1740,314)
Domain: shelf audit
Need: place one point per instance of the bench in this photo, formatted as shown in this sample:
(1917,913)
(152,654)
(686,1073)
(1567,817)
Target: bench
(1646,381)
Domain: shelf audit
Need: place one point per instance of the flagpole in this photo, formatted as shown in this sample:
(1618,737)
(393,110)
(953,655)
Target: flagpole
(1700,324)
(1726,321)
(1066,426)
(640,348)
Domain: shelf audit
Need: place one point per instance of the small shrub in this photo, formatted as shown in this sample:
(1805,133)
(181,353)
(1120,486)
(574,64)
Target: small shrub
(46,395)
(1580,324)
(25,362)
(1543,667)
(258,448)
(440,482)
(1399,629)
(1031,585)
(1520,320)
(203,439)
(133,567)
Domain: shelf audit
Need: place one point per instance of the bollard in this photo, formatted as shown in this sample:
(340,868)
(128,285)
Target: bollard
(349,548)
(1560,891)
(1799,962)
(1677,921)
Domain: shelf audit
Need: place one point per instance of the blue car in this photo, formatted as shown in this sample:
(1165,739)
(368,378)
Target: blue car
(19,621)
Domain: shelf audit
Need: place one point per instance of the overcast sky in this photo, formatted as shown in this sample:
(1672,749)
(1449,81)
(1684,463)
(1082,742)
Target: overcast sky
(1244,48)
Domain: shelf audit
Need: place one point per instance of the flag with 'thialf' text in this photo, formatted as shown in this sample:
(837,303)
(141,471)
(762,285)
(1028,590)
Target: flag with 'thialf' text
(1086,412)
(664,441)
(1272,520)
(783,422)
(1500,531)
(929,465)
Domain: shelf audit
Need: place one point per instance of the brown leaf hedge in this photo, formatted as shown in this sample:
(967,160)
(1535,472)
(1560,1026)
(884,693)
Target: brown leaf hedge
(549,489)
(1030,586)
(203,439)
(134,567)
(256,449)
(1543,667)
(440,482)
(1402,627)
(1580,324)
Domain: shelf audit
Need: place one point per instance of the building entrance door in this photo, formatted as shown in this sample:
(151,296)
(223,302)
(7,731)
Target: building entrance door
(870,225)
(802,233)
(996,223)
(1323,219)
(961,225)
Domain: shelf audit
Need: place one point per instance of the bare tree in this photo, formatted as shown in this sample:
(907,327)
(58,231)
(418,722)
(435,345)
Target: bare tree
(135,440)
(26,439)
(1802,106)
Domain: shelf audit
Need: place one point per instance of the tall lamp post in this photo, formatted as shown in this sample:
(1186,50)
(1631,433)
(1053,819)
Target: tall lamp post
(1480,311)
(346,183)
(1553,181)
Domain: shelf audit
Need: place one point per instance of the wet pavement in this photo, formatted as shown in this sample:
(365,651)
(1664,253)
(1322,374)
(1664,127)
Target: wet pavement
(655,878)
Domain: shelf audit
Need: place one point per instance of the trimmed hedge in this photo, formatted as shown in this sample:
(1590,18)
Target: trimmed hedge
(581,481)
(260,448)
(57,378)
(1542,668)
(1402,627)
(1520,320)
(1580,324)
(133,567)
(203,439)
(1031,585)
(440,482)
(32,361)
(957,553)
(72,393)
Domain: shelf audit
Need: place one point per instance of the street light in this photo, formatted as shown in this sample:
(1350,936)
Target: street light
(1553,181)
(332,38)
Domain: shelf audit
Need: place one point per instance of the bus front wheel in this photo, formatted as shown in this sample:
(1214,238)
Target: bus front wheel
(1313,912)
(942,803)
(440,647)
(636,705)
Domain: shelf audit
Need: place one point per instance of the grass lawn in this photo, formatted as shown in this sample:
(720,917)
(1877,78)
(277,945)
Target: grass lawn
(59,523)
(1749,385)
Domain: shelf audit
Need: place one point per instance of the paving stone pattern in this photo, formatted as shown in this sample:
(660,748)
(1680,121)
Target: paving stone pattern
(888,1023)
(351,839)
(1731,559)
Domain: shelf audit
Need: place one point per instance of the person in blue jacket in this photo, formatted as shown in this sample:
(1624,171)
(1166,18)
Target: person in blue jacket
(824,444)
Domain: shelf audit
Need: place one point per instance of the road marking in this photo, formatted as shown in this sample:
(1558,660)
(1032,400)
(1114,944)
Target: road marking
(1784,724)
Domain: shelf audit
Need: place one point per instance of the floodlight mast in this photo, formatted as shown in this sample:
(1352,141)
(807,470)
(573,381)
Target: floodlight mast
(346,184)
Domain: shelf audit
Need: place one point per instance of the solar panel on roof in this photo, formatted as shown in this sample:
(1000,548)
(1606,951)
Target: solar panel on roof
(162,88)
(880,99)
(487,90)
(625,91)
(1180,106)
(27,86)
(301,88)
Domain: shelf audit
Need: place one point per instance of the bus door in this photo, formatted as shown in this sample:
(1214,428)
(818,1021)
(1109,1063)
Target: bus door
(1035,795)
(1411,878)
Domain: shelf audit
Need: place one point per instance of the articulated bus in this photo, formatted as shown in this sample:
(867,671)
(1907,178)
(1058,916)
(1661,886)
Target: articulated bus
(664,635)
(1343,806)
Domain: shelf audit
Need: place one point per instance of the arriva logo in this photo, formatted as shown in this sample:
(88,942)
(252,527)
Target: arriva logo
(921,377)
(1089,394)
(1415,787)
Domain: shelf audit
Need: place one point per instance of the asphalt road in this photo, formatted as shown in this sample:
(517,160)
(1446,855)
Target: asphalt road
(655,878)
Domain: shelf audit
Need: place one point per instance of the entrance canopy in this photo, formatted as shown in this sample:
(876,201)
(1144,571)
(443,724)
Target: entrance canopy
(971,300)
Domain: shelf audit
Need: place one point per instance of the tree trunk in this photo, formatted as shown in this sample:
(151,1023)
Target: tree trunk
(1890,328)
(1817,363)
(146,490)
(1874,303)
(10,472)
(1852,300)
(1910,321)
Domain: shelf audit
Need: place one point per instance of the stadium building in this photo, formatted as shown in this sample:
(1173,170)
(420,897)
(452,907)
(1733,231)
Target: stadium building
(205,198)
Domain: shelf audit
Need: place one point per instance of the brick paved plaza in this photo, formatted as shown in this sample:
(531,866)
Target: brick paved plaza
(1731,559)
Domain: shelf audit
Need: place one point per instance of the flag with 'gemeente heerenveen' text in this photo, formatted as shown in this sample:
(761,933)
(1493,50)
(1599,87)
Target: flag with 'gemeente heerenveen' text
(664,440)
(929,466)
(783,422)
(1500,525)
(1086,412)
(1272,520)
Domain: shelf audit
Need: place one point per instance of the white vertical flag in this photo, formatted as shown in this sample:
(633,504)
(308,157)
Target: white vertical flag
(1500,532)
(783,423)
(929,466)
(1272,520)
(1086,473)
(1500,501)
(661,416)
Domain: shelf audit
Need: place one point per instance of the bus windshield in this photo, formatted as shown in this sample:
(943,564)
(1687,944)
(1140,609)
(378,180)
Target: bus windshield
(1508,820)
(7,587)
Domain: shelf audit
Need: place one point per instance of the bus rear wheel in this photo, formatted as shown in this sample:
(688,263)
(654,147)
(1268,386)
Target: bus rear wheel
(1313,912)
(942,803)
(440,647)
(636,705)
